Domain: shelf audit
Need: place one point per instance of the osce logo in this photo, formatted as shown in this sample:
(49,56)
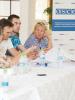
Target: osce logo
(65,11)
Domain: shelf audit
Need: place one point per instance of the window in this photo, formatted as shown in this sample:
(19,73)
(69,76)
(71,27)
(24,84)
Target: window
(15,7)
(40,6)
(8,7)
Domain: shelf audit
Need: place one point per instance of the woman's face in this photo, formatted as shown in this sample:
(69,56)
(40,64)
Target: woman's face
(39,32)
(6,32)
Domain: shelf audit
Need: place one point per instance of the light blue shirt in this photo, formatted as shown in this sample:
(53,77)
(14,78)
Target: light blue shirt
(32,40)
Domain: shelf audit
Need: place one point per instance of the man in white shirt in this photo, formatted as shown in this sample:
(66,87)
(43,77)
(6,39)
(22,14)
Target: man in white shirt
(5,43)
(6,46)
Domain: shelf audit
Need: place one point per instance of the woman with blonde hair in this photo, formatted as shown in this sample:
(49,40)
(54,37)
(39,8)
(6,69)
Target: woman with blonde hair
(40,37)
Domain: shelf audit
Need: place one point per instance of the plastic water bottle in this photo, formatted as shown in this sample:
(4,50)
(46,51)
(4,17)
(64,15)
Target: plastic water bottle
(5,81)
(60,57)
(23,63)
(22,60)
(43,61)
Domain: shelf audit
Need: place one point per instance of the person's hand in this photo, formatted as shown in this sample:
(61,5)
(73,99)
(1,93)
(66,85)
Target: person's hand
(31,49)
(48,36)
(33,55)
(4,63)
(46,49)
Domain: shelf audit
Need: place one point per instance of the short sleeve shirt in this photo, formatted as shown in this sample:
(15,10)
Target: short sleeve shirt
(32,40)
(4,45)
(15,41)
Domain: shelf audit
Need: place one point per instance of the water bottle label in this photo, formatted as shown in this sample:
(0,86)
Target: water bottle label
(5,83)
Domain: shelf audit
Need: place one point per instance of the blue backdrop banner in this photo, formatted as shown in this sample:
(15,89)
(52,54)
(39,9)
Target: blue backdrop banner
(63,25)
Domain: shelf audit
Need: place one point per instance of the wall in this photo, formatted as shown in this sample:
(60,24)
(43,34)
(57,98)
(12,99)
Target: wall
(32,20)
(64,26)
(24,9)
(27,18)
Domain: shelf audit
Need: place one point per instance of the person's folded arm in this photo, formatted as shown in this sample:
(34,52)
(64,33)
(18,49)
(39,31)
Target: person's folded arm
(48,35)
(20,48)
(13,56)
(26,50)
(12,52)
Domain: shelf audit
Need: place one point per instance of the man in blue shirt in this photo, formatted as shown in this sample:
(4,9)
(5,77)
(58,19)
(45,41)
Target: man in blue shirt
(15,19)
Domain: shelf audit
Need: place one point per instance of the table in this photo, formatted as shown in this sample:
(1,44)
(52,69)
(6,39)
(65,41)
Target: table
(58,84)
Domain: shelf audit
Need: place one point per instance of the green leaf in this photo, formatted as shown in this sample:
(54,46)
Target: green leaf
(48,10)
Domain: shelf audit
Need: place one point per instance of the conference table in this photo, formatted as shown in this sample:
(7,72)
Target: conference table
(43,83)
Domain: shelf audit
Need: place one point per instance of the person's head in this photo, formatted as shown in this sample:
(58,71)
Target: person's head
(39,30)
(15,19)
(5,28)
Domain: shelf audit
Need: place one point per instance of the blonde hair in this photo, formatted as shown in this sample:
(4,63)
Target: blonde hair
(39,24)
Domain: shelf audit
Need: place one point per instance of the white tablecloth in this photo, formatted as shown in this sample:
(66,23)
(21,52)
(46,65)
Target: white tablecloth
(58,84)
